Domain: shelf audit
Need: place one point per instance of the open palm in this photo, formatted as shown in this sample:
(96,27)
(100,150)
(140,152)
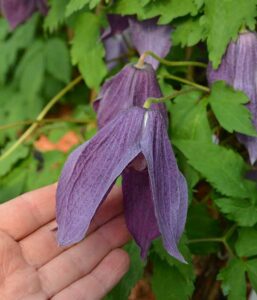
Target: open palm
(33,266)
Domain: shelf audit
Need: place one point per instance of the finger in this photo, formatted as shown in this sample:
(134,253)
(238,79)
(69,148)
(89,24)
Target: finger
(41,246)
(100,281)
(79,260)
(28,212)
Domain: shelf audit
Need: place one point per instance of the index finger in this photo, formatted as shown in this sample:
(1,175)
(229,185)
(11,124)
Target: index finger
(26,213)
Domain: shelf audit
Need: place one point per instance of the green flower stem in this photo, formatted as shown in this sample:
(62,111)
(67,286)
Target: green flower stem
(176,63)
(150,101)
(44,121)
(40,117)
(224,240)
(188,82)
(206,240)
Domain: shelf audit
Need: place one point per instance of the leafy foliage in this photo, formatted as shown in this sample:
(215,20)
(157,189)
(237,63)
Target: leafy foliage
(226,177)
(44,54)
(223,19)
(87,51)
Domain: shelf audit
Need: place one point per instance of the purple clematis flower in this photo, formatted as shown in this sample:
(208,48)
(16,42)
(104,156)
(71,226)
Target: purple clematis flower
(135,143)
(18,11)
(130,87)
(238,68)
(126,33)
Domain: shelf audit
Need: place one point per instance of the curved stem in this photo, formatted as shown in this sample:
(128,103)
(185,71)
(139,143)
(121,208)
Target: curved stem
(150,101)
(224,240)
(44,121)
(188,82)
(42,114)
(204,240)
(176,63)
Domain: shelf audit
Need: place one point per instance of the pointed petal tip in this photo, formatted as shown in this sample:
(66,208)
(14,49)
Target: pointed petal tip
(176,254)
(64,240)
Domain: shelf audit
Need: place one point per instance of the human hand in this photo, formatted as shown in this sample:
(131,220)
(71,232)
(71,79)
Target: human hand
(33,266)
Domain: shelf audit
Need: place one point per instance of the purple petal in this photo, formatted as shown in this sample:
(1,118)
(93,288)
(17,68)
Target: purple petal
(18,11)
(117,24)
(130,87)
(116,49)
(168,185)
(91,171)
(139,209)
(226,70)
(148,36)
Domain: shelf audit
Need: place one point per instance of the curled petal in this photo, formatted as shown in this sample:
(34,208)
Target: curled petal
(91,171)
(168,185)
(139,209)
(148,36)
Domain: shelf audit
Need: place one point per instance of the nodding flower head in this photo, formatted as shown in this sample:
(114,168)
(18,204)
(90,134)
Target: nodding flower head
(125,34)
(239,69)
(135,144)
(130,87)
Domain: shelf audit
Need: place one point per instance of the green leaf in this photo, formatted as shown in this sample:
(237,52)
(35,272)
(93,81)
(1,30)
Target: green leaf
(7,163)
(222,167)
(30,72)
(223,19)
(57,59)
(168,283)
(56,14)
(228,107)
(189,118)
(87,50)
(123,289)
(170,9)
(246,243)
(233,280)
(251,266)
(239,210)
(75,5)
(13,184)
(10,46)
(188,33)
(125,7)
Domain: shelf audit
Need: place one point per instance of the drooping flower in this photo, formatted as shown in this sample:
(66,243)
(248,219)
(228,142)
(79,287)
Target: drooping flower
(238,68)
(155,192)
(18,11)
(126,33)
(130,87)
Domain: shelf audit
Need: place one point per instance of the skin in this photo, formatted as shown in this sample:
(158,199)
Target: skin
(34,267)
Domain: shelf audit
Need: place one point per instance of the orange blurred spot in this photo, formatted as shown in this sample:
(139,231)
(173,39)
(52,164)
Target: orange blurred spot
(69,140)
